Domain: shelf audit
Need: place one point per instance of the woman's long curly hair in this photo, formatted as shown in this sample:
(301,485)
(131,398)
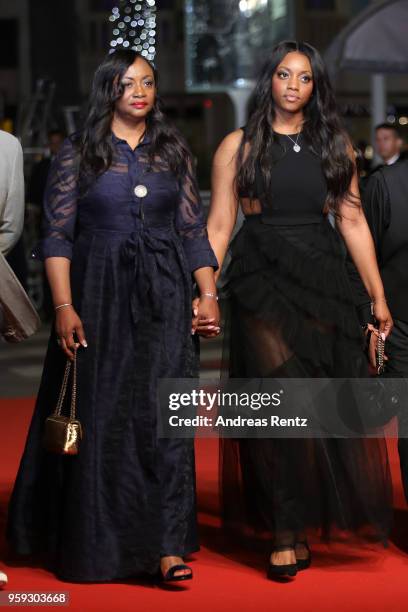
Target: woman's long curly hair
(94,142)
(322,128)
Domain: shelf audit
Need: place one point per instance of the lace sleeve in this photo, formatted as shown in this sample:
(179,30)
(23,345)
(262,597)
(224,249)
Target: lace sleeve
(60,205)
(190,224)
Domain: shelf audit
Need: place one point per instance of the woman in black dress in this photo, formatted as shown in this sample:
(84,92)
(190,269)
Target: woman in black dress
(124,237)
(291,311)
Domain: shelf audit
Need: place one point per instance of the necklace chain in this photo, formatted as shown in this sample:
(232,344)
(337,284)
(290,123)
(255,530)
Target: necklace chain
(296,146)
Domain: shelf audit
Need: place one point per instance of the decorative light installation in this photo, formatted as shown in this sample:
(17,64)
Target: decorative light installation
(134,26)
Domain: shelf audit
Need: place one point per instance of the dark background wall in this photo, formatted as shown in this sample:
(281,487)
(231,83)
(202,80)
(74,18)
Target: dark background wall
(54,42)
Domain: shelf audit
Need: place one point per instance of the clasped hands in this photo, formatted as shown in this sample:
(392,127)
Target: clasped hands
(206,317)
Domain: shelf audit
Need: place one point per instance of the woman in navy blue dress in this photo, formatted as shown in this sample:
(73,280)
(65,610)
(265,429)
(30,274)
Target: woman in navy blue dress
(124,237)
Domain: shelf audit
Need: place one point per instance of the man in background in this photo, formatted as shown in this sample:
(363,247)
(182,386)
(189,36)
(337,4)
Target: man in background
(11,191)
(388,144)
(11,205)
(385,203)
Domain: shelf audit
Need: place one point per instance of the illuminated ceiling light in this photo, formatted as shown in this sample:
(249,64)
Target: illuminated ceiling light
(403,120)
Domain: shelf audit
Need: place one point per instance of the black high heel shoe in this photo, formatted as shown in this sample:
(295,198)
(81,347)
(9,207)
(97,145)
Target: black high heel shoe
(282,571)
(303,564)
(169,576)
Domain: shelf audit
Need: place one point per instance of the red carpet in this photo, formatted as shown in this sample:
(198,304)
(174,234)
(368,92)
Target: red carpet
(341,578)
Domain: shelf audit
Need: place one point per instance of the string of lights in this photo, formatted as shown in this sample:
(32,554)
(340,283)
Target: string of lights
(134,27)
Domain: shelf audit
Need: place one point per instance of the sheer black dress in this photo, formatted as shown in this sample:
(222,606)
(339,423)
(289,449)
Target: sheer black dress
(291,314)
(127,498)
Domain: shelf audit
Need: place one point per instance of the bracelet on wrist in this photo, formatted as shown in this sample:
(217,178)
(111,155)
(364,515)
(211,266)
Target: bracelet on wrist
(62,306)
(210,294)
(374,301)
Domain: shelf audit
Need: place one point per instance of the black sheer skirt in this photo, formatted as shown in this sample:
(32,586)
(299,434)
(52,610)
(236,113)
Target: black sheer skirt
(290,314)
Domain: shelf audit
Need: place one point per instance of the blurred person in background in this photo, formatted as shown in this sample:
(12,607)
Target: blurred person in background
(11,205)
(11,192)
(385,205)
(388,144)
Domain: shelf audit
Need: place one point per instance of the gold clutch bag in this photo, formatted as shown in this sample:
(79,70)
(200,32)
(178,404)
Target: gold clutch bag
(63,434)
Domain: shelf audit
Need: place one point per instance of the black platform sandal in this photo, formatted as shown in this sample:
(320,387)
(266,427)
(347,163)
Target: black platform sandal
(303,564)
(281,571)
(169,576)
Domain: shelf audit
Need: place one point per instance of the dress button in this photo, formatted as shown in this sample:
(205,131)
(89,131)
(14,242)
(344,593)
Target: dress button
(140,191)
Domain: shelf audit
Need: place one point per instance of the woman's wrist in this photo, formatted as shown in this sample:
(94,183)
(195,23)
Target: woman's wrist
(209,294)
(378,298)
(62,305)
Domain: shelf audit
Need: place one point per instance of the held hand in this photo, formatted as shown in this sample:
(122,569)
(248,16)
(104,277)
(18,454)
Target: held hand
(208,315)
(194,308)
(68,323)
(383,317)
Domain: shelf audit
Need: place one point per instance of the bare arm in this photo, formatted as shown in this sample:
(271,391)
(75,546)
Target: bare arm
(67,322)
(57,269)
(357,236)
(224,200)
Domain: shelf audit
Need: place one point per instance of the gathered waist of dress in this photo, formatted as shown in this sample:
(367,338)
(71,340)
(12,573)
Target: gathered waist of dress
(286,218)
(142,227)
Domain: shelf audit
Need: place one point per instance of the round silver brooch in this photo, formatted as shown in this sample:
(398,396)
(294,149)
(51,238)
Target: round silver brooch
(140,191)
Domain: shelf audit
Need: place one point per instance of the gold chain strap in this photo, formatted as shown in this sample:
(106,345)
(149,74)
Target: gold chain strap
(64,386)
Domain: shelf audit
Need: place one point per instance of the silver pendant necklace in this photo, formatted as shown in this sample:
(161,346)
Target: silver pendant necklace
(296,147)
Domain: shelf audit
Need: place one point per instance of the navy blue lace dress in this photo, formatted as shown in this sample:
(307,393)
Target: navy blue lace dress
(128,497)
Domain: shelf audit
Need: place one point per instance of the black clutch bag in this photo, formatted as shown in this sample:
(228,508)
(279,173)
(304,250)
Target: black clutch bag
(378,399)
(63,434)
